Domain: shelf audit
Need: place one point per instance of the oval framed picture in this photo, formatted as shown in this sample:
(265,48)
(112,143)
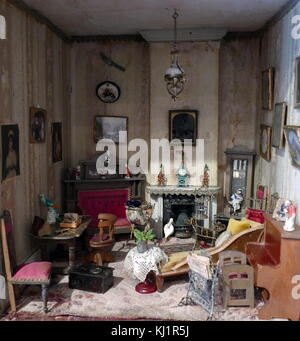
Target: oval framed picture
(108,92)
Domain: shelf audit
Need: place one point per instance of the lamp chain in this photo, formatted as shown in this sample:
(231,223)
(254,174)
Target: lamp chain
(175,15)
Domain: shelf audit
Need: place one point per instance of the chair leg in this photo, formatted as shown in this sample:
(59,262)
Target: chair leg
(45,297)
(12,299)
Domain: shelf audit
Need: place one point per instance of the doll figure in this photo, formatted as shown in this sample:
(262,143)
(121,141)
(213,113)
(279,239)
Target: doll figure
(236,201)
(290,216)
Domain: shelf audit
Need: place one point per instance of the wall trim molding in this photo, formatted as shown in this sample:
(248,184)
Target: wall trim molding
(40,18)
(280,14)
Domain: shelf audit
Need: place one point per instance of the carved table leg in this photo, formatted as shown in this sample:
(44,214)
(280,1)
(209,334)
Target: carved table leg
(45,297)
(72,254)
(159,283)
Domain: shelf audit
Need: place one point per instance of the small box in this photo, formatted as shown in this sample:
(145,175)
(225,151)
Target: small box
(90,277)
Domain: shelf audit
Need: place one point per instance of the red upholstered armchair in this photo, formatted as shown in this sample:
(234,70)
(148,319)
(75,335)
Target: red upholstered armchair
(106,201)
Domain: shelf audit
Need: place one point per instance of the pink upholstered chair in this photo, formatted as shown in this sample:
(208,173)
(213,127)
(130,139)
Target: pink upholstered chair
(36,273)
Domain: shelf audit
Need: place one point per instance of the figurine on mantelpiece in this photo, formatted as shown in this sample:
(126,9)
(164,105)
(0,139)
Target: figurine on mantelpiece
(205,177)
(53,215)
(77,172)
(290,216)
(236,201)
(127,172)
(107,157)
(161,178)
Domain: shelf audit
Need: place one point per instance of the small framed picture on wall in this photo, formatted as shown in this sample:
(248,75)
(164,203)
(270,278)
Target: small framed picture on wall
(37,132)
(297,83)
(109,127)
(267,88)
(265,142)
(56,142)
(10,151)
(278,123)
(183,125)
(292,134)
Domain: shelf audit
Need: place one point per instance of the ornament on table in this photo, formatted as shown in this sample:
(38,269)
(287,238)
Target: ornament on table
(205,177)
(290,216)
(77,172)
(161,178)
(169,229)
(53,215)
(236,201)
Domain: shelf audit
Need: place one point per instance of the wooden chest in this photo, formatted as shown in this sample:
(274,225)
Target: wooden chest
(90,277)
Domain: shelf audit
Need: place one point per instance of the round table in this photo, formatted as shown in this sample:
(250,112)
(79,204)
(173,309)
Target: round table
(140,265)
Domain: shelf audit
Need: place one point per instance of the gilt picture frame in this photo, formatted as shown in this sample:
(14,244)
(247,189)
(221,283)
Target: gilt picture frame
(108,127)
(37,131)
(183,125)
(297,83)
(265,141)
(278,124)
(267,88)
(10,152)
(292,135)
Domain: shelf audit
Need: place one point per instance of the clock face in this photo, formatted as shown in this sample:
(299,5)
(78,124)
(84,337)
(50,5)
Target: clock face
(182,172)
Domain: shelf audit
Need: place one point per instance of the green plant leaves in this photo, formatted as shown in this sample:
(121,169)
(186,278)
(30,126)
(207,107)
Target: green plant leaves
(141,235)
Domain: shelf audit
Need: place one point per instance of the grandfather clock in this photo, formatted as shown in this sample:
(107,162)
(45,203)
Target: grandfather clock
(239,172)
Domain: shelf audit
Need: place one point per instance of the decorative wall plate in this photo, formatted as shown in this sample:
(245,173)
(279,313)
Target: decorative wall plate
(108,92)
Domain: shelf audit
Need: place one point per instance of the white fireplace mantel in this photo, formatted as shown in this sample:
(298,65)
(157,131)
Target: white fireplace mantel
(157,194)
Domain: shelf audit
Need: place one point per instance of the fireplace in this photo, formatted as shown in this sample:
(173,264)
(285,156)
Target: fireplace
(181,208)
(182,202)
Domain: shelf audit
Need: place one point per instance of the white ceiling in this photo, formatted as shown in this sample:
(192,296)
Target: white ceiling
(106,17)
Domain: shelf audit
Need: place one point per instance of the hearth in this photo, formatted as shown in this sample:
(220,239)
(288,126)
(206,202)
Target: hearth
(181,203)
(181,208)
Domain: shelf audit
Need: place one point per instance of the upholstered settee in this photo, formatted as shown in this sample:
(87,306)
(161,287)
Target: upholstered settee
(106,201)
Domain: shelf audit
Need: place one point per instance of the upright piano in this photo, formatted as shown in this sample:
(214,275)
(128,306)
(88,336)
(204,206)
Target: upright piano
(276,263)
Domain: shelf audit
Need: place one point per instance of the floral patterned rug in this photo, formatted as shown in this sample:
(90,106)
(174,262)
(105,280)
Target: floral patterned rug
(121,302)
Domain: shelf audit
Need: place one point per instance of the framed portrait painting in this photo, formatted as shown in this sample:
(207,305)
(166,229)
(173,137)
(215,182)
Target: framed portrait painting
(37,132)
(278,123)
(265,142)
(10,151)
(183,125)
(267,88)
(292,135)
(56,142)
(108,127)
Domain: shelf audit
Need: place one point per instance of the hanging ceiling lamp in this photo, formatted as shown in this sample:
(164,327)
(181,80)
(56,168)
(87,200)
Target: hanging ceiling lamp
(175,76)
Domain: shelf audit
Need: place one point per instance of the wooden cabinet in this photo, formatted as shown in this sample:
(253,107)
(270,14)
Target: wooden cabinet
(239,172)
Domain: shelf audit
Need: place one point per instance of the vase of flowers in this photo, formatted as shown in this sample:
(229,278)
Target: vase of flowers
(142,238)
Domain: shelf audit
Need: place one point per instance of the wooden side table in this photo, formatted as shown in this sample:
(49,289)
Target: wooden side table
(69,237)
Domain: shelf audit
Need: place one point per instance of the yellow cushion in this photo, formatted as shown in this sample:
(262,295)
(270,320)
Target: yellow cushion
(235,226)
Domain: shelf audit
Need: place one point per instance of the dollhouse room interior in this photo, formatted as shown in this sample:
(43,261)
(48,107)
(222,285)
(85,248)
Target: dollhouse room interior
(150,160)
